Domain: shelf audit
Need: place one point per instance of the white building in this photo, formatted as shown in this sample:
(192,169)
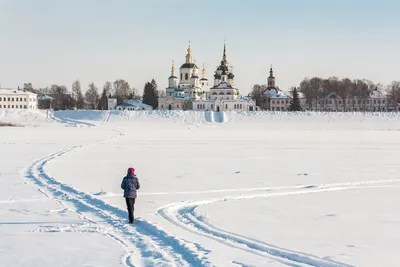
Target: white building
(133,104)
(193,92)
(375,101)
(17,99)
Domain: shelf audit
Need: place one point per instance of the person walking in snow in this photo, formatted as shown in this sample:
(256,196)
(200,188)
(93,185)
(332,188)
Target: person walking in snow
(130,185)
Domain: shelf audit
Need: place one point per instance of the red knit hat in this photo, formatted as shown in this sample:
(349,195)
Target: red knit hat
(131,171)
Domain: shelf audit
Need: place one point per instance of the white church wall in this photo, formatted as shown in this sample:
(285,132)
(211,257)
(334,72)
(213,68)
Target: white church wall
(183,74)
(203,105)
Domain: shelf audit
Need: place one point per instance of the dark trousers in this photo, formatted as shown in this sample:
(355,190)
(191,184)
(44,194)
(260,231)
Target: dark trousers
(130,203)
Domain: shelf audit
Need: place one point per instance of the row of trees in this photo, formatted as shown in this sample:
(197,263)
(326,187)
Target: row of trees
(346,89)
(316,87)
(120,89)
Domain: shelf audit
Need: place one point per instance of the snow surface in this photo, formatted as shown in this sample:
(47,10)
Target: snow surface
(218,189)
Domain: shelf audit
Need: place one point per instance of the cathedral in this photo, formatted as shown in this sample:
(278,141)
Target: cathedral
(192,92)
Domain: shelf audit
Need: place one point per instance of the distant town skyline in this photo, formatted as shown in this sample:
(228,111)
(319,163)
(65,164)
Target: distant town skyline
(47,42)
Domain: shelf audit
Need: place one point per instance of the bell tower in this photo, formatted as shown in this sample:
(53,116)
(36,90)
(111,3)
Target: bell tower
(172,80)
(271,79)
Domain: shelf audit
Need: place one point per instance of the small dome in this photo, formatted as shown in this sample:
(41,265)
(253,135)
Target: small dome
(217,76)
(231,76)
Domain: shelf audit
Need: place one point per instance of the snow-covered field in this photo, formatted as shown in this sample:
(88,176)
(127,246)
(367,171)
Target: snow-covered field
(232,189)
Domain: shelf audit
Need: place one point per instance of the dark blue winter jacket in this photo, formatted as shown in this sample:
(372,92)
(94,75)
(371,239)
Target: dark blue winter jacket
(130,184)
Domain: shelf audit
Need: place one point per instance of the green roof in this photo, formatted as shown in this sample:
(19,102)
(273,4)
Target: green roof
(188,66)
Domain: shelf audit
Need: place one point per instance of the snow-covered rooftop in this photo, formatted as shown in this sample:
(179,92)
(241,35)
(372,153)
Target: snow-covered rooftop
(279,97)
(134,102)
(45,97)
(223,85)
(376,94)
(270,92)
(273,93)
(15,92)
(183,97)
(204,101)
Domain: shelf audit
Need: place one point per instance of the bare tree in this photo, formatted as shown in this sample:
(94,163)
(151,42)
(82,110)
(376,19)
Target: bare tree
(78,95)
(103,101)
(352,93)
(136,94)
(162,93)
(59,89)
(61,98)
(344,87)
(28,87)
(107,88)
(92,96)
(315,90)
(393,94)
(257,93)
(311,89)
(122,90)
(306,90)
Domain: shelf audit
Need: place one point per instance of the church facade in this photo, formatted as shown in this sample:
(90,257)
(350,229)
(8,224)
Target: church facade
(192,92)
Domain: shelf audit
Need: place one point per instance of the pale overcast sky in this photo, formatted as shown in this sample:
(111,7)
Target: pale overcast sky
(56,42)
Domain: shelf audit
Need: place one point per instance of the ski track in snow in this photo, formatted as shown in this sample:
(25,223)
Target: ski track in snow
(157,248)
(182,214)
(107,117)
(237,190)
(70,122)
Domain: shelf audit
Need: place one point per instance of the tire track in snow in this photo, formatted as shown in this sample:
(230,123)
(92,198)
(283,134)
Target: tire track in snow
(183,215)
(155,245)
